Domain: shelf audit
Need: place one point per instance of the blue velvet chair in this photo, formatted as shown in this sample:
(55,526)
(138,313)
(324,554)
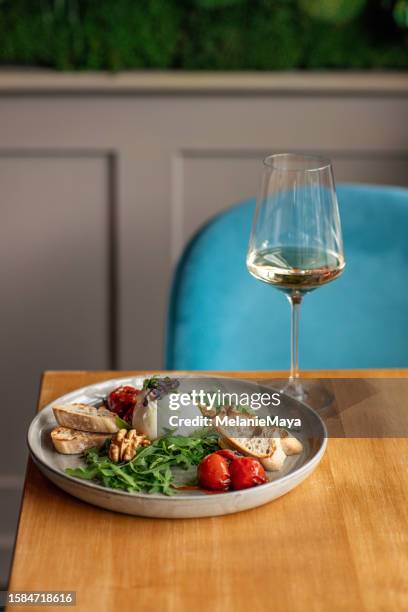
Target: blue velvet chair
(221,318)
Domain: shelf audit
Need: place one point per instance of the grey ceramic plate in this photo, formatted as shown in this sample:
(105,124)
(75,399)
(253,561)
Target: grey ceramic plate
(187,504)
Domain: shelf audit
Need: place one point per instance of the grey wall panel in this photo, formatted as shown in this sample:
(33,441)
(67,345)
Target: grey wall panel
(210,181)
(5,560)
(379,170)
(10,495)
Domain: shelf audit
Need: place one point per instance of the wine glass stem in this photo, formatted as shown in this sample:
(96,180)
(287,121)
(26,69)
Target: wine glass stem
(295,300)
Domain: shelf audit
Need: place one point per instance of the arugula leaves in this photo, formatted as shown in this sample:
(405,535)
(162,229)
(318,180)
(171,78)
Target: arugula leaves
(151,470)
(150,383)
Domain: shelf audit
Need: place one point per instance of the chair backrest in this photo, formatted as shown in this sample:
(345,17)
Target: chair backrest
(221,318)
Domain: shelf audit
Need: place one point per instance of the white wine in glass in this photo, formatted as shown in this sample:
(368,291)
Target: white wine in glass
(292,268)
(296,242)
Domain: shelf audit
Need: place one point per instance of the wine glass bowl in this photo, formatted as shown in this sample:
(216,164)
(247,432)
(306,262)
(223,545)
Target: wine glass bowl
(293,269)
(296,241)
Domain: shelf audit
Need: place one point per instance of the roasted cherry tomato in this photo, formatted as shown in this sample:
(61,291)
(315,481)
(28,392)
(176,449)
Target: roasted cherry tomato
(213,473)
(122,401)
(246,472)
(228,454)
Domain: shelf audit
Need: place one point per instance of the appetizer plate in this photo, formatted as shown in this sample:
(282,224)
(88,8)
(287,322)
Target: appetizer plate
(188,503)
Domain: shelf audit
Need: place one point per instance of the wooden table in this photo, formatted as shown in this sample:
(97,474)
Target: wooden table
(337,542)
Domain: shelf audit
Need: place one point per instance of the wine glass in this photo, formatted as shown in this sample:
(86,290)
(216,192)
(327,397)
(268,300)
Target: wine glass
(296,242)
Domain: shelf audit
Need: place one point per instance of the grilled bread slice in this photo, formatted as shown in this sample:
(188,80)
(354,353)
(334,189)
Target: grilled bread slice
(271,451)
(259,448)
(71,441)
(85,418)
(246,438)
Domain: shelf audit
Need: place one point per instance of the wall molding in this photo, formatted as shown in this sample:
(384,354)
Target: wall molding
(230,153)
(352,83)
(111,158)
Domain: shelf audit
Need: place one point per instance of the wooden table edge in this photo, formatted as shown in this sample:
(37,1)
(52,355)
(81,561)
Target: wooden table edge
(337,373)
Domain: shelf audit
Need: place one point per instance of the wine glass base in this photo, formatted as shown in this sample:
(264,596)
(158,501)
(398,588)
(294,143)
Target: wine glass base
(314,393)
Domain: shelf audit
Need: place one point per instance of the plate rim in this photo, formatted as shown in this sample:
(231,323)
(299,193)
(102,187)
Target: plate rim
(89,484)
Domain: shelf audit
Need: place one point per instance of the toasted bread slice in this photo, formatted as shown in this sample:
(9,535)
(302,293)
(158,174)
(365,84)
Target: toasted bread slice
(245,438)
(259,448)
(272,462)
(85,418)
(71,441)
(271,451)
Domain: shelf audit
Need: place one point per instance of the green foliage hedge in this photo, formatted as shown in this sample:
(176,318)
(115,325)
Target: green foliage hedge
(204,34)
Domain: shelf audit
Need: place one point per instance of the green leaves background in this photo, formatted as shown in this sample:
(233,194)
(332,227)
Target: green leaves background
(204,34)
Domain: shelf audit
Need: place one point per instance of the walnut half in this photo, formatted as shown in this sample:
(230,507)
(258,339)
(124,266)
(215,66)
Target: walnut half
(124,444)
